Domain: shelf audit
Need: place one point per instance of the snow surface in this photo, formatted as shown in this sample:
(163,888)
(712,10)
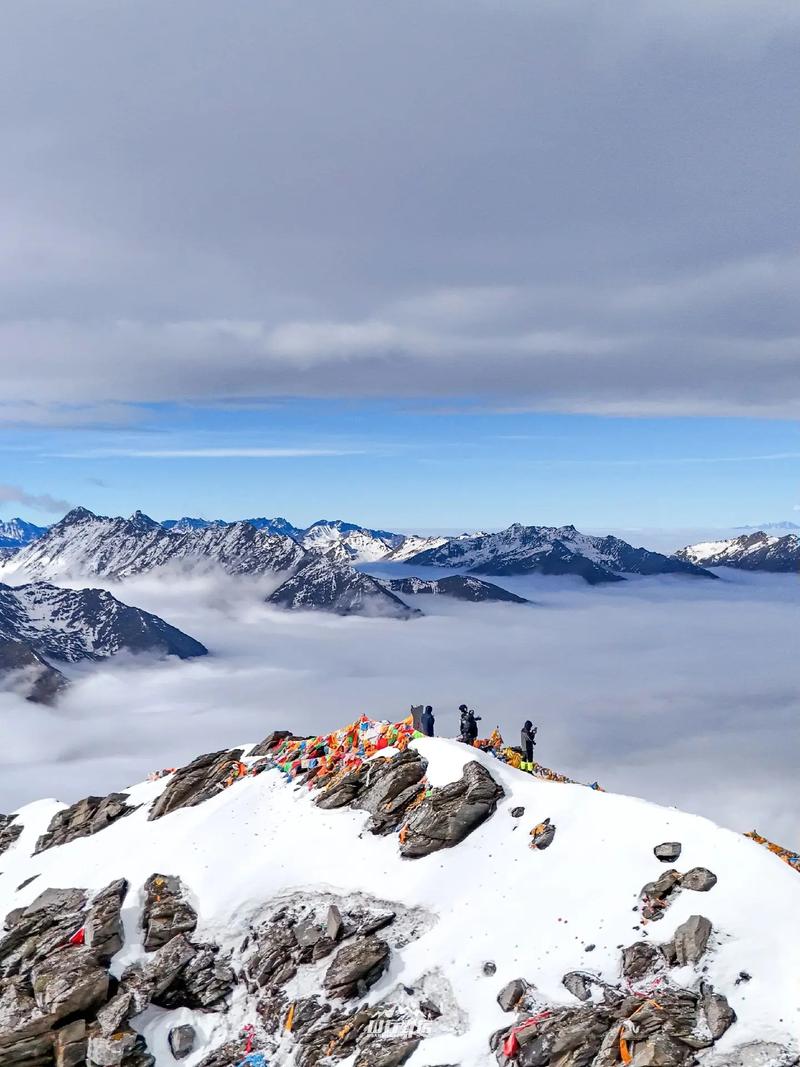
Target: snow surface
(493,898)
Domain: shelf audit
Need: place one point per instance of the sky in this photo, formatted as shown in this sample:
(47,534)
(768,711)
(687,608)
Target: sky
(440,264)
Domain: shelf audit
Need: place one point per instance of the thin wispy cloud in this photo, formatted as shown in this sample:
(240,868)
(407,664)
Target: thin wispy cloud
(209,453)
(15,494)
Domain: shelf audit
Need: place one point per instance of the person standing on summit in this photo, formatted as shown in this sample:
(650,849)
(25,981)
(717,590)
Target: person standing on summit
(427,721)
(528,739)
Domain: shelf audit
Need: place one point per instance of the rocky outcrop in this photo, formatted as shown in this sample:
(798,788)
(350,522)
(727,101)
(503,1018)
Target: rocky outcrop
(10,829)
(166,911)
(691,940)
(657,896)
(86,817)
(197,781)
(356,967)
(451,813)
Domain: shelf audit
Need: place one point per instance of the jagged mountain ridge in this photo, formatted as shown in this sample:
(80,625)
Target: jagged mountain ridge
(43,626)
(758,551)
(390,954)
(87,545)
(551,550)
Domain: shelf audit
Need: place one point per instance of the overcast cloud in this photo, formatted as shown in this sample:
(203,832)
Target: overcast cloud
(677,691)
(569,205)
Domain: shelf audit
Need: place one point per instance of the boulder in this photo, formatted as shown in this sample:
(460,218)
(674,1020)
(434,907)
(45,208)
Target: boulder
(451,813)
(110,1050)
(271,741)
(579,984)
(720,1016)
(699,879)
(512,993)
(197,781)
(333,923)
(69,1045)
(389,788)
(69,982)
(181,1041)
(203,984)
(387,1053)
(166,911)
(86,817)
(356,966)
(640,959)
(307,934)
(517,813)
(343,791)
(668,852)
(103,930)
(661,1051)
(691,939)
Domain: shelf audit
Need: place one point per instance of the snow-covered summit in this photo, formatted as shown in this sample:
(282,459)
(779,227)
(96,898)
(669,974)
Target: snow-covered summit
(551,550)
(404,911)
(14,533)
(759,551)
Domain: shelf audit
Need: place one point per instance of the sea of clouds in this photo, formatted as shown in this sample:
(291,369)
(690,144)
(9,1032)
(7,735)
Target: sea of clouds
(681,691)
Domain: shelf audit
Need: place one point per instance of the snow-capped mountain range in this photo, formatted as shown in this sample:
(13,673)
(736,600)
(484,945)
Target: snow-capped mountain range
(751,552)
(43,626)
(427,906)
(551,550)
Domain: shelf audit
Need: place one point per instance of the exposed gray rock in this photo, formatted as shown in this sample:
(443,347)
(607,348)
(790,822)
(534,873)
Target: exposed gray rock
(69,982)
(69,1044)
(451,813)
(661,1051)
(389,787)
(517,813)
(10,829)
(116,1012)
(542,834)
(204,984)
(357,966)
(271,741)
(181,1041)
(86,817)
(103,930)
(387,1054)
(699,879)
(720,1016)
(166,911)
(754,1054)
(640,959)
(668,852)
(656,895)
(333,923)
(691,939)
(306,934)
(512,993)
(197,781)
(110,1050)
(579,984)
(344,790)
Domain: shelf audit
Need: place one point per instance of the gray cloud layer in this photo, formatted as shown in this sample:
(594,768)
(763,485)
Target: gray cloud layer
(679,692)
(15,494)
(566,205)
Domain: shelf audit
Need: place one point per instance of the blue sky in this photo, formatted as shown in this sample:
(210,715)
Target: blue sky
(415,466)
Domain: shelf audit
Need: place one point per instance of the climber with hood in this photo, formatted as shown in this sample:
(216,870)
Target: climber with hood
(427,721)
(528,739)
(469,725)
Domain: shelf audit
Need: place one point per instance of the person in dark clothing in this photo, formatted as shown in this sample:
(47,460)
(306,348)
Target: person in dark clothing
(427,721)
(528,739)
(469,725)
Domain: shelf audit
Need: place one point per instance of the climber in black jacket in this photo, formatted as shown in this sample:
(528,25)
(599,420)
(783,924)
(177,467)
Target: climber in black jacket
(427,721)
(528,739)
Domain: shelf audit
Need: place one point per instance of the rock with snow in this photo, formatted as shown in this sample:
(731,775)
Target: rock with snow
(10,829)
(85,817)
(321,582)
(197,781)
(329,945)
(551,550)
(42,626)
(458,586)
(699,880)
(668,852)
(691,939)
(166,911)
(181,1040)
(759,551)
(451,812)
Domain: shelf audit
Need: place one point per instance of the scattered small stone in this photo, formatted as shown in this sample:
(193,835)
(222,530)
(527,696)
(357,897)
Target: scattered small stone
(517,813)
(589,948)
(668,852)
(489,968)
(743,977)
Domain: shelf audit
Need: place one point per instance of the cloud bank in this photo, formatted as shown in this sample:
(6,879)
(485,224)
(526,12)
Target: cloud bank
(683,693)
(245,211)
